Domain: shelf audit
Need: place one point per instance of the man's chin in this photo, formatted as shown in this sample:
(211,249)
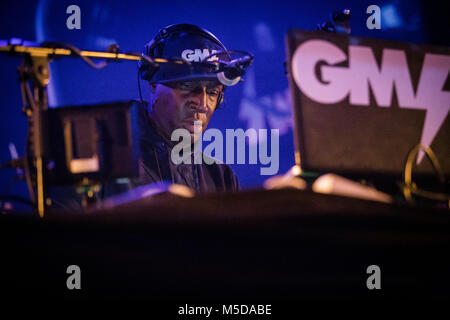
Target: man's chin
(190,126)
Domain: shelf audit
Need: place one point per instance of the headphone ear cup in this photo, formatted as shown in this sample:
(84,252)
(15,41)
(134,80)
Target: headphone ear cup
(146,69)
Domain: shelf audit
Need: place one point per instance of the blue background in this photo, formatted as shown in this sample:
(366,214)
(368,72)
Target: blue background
(262,101)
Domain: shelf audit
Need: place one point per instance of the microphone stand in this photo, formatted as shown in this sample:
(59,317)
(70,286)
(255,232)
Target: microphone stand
(35,68)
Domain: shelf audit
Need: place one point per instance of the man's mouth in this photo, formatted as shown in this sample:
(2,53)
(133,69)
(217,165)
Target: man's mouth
(189,124)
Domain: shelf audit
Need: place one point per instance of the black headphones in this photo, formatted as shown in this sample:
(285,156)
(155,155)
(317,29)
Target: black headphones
(155,47)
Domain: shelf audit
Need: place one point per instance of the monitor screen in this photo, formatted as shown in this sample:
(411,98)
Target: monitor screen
(361,105)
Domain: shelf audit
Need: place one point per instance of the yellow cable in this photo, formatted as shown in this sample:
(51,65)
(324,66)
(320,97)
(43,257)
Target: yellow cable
(411,188)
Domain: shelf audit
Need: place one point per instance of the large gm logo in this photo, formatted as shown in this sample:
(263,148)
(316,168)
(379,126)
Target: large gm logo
(198,55)
(334,83)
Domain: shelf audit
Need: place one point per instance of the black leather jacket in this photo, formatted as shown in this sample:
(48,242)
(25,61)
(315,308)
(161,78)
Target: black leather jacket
(156,164)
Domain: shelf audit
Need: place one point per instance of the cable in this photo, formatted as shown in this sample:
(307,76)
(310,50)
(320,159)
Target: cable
(77,51)
(411,188)
(139,85)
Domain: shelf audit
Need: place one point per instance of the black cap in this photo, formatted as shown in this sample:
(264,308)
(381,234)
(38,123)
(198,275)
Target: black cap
(189,43)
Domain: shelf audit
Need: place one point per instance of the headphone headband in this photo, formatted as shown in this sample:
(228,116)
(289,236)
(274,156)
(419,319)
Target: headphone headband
(178,28)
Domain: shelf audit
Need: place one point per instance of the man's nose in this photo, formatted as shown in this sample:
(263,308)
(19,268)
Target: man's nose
(201,100)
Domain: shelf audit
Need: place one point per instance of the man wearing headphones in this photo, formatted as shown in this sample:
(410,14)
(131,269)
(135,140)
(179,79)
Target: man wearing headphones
(181,94)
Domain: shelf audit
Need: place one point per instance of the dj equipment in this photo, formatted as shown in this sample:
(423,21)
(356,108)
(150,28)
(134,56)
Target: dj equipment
(35,70)
(77,144)
(255,245)
(97,142)
(369,107)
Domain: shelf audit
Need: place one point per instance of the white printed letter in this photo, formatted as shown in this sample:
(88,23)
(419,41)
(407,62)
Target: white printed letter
(374,21)
(74,280)
(74,20)
(374,281)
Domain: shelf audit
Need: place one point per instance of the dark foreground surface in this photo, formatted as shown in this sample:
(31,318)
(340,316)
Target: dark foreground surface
(255,246)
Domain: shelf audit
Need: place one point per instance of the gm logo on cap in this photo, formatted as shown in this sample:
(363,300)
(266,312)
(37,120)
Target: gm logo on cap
(197,55)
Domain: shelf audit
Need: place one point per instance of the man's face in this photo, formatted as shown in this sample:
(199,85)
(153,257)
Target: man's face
(178,105)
